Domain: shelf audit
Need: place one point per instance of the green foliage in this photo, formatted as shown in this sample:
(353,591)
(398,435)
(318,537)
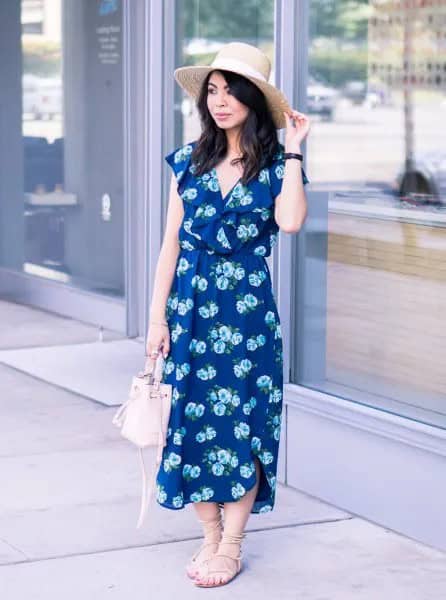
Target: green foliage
(338,34)
(336,67)
(339,19)
(42,58)
(247,20)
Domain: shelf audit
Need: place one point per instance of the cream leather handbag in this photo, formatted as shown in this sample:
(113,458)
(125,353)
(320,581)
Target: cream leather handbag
(143,419)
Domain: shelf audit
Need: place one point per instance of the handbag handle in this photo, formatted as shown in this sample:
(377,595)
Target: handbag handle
(153,373)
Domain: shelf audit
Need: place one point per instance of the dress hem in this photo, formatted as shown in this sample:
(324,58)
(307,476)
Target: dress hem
(183,506)
(221,502)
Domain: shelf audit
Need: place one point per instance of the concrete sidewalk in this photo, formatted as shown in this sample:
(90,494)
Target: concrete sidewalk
(70,499)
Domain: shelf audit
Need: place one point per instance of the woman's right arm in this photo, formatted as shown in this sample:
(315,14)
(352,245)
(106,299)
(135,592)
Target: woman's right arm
(158,335)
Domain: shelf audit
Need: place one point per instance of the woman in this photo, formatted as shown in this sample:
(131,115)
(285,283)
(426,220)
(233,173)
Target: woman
(214,310)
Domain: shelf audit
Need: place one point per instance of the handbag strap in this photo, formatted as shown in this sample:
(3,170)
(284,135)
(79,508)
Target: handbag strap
(149,483)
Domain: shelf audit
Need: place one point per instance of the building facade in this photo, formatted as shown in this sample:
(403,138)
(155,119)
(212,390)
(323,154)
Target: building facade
(89,108)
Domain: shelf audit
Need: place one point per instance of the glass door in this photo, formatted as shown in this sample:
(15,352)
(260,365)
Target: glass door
(61,150)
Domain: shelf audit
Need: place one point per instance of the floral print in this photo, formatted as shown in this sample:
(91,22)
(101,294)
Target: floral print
(226,358)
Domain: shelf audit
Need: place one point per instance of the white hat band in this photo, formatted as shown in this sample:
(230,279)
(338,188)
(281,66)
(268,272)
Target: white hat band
(231,63)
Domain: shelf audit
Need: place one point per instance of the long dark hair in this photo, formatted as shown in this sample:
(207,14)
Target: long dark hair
(258,138)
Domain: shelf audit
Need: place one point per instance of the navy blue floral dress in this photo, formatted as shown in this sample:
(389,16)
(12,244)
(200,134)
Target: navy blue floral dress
(225,362)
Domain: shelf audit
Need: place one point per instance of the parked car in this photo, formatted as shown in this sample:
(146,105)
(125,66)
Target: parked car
(30,85)
(355,91)
(378,94)
(321,99)
(426,180)
(42,96)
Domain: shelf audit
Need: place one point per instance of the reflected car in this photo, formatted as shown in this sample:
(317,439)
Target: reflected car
(30,85)
(355,91)
(42,97)
(321,99)
(378,94)
(368,94)
(426,180)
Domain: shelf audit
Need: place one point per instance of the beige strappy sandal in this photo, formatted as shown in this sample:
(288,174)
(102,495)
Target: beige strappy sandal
(210,526)
(212,566)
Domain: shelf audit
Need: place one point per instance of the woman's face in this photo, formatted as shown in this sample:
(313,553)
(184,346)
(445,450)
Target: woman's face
(225,109)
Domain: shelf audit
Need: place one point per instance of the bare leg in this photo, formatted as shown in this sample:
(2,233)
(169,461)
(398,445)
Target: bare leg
(236,516)
(209,515)
(237,513)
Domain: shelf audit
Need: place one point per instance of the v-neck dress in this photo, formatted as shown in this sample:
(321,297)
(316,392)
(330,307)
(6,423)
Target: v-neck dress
(226,358)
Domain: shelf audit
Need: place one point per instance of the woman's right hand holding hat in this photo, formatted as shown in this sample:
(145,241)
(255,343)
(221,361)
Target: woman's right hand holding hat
(297,129)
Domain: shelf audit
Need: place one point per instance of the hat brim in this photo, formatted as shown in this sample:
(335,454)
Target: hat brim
(191,79)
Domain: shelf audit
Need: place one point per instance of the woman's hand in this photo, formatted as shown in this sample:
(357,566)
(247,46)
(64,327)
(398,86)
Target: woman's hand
(158,338)
(297,129)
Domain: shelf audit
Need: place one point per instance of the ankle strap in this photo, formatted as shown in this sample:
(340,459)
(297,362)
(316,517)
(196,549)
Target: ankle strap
(232,538)
(210,525)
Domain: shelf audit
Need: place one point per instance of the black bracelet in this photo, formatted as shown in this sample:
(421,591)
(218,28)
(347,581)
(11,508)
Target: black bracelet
(292,155)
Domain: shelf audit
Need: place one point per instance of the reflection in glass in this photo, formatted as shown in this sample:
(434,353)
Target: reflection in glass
(375,283)
(65,73)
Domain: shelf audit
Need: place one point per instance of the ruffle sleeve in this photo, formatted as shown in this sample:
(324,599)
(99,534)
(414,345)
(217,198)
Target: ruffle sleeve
(277,171)
(180,160)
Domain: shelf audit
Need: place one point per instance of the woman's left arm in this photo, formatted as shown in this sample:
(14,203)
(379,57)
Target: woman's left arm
(291,205)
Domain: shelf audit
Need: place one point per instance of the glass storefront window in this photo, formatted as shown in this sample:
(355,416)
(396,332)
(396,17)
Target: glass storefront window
(370,325)
(62,172)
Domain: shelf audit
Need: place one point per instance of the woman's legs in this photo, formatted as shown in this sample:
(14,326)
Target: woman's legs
(236,516)
(206,510)
(237,513)
(209,515)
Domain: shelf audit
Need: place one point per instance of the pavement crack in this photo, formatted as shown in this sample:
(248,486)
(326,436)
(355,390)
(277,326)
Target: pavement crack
(167,542)
(16,550)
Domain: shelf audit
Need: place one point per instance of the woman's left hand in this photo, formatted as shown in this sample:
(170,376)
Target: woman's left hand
(297,132)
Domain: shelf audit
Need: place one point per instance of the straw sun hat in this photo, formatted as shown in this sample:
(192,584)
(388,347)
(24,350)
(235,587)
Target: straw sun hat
(245,60)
